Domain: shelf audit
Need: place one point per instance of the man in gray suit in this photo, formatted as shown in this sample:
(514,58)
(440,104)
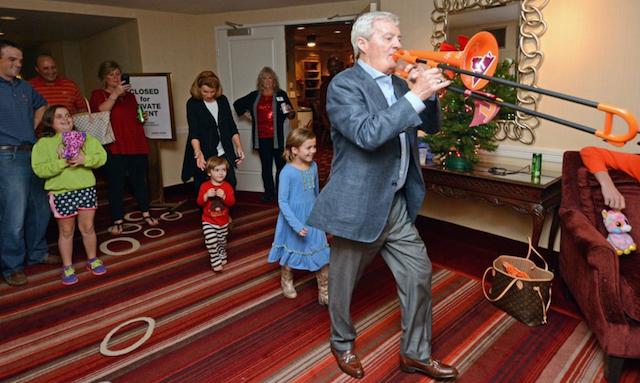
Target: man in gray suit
(375,189)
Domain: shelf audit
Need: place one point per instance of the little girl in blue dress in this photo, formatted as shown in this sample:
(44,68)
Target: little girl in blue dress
(296,245)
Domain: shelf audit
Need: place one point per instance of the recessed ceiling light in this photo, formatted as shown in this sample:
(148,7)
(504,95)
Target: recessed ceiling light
(300,28)
(311,41)
(8,18)
(336,31)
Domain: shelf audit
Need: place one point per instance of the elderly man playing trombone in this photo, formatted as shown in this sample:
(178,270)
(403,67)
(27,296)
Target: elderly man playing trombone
(376,188)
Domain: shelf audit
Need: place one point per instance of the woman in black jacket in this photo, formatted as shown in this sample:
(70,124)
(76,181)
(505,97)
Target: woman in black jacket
(270,110)
(212,131)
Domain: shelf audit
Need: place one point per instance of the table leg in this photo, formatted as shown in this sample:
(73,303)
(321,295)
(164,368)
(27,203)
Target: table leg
(538,213)
(553,233)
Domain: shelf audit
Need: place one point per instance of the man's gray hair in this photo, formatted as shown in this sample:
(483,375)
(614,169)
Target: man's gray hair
(363,27)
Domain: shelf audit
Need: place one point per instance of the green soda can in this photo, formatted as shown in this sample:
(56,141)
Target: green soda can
(140,114)
(536,166)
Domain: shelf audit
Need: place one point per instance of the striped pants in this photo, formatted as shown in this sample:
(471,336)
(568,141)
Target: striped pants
(215,238)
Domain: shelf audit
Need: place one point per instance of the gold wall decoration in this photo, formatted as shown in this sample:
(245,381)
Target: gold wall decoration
(529,59)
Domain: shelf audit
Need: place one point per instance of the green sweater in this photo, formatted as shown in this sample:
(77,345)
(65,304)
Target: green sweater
(60,178)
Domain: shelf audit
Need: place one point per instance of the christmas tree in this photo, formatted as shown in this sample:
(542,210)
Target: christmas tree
(456,138)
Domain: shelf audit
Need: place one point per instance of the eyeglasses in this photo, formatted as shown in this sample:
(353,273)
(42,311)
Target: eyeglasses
(503,172)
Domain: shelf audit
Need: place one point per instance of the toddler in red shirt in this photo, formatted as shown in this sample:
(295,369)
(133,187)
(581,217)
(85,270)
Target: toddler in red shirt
(216,197)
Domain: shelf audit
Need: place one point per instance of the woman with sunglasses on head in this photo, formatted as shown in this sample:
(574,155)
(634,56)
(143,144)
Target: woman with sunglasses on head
(269,109)
(212,131)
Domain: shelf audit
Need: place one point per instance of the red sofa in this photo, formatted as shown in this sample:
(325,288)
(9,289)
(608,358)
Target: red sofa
(605,286)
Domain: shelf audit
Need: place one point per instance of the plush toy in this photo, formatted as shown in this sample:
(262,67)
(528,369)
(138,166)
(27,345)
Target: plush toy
(618,228)
(72,141)
(216,204)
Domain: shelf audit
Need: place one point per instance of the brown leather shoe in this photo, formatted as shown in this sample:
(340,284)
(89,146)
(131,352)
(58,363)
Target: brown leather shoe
(348,363)
(52,260)
(17,278)
(435,368)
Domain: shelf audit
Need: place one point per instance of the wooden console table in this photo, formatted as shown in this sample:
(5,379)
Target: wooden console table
(513,190)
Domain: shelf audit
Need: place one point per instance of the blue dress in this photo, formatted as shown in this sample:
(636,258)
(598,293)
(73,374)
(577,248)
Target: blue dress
(297,194)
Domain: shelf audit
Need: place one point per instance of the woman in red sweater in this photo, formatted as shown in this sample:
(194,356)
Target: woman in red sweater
(129,153)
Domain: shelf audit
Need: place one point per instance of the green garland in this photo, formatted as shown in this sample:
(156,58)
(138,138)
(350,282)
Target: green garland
(456,138)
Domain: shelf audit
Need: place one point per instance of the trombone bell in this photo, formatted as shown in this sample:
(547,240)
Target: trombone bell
(479,56)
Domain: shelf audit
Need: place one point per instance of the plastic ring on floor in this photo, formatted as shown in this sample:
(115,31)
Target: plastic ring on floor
(129,218)
(136,228)
(146,232)
(103,346)
(135,245)
(168,216)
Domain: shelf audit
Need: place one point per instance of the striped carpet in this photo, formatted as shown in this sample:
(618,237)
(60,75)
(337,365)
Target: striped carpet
(236,326)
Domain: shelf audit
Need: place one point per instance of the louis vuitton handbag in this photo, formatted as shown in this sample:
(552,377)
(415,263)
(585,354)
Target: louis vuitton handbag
(97,125)
(520,288)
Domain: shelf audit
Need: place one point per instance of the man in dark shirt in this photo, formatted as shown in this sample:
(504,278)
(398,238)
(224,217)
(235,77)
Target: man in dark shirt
(24,209)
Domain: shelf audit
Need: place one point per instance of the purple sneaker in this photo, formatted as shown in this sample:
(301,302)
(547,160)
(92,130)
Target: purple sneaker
(69,275)
(96,266)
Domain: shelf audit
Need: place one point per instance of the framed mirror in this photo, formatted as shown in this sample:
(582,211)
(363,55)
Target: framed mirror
(518,25)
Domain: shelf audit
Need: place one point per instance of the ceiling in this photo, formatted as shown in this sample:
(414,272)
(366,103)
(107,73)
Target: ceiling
(36,27)
(199,7)
(329,37)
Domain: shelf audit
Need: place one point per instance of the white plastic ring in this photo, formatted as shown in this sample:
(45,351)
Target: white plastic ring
(135,245)
(146,232)
(136,228)
(169,217)
(128,216)
(103,346)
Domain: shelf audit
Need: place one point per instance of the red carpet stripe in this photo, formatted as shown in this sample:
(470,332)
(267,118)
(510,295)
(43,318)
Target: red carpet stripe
(237,326)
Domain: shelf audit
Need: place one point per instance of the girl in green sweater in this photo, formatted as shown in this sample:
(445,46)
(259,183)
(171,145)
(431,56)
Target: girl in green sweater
(71,184)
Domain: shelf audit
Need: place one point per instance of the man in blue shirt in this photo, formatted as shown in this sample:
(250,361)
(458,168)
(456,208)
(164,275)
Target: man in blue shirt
(24,209)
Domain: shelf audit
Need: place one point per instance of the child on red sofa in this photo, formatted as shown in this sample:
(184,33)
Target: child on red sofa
(216,197)
(597,160)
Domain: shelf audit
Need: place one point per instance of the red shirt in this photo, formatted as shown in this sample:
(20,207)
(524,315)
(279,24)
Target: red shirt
(62,91)
(216,217)
(598,159)
(129,132)
(265,117)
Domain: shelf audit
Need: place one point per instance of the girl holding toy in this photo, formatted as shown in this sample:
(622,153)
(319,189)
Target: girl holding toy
(296,245)
(65,158)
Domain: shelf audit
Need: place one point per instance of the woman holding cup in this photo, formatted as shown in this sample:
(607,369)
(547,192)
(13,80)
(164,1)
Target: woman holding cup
(269,110)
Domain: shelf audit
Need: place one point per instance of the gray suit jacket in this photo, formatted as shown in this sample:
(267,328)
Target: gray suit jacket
(357,199)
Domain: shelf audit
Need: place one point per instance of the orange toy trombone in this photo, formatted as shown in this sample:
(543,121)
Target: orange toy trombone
(476,65)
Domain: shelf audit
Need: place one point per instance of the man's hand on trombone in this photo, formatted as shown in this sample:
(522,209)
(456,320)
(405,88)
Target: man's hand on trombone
(426,82)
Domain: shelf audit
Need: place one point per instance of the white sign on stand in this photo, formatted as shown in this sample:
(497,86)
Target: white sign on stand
(154,94)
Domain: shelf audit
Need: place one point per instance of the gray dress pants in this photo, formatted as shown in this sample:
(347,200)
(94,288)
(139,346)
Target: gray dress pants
(406,255)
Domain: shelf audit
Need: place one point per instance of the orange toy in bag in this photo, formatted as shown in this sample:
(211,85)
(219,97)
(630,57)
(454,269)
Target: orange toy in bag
(512,270)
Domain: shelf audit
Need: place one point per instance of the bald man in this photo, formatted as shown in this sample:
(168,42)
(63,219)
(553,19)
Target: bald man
(55,88)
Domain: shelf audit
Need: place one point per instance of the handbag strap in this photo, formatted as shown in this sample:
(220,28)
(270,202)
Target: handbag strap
(506,289)
(89,109)
(544,308)
(546,267)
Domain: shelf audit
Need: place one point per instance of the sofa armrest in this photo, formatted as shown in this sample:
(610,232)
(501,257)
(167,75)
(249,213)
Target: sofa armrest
(601,257)
(587,238)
